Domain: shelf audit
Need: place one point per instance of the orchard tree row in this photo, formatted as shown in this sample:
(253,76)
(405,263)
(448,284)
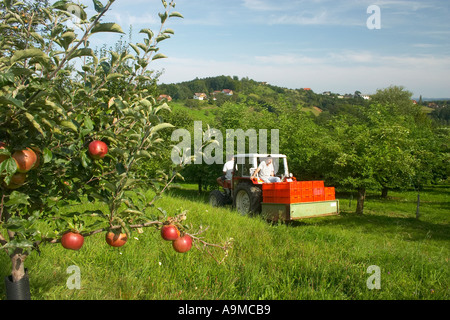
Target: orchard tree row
(386,144)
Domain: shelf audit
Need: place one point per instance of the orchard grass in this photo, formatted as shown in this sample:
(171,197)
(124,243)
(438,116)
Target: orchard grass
(321,258)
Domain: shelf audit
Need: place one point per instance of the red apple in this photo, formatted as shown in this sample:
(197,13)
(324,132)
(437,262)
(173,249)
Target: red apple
(17,180)
(25,160)
(170,232)
(182,244)
(98,149)
(72,240)
(116,239)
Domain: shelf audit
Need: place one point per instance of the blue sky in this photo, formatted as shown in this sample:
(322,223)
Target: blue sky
(324,45)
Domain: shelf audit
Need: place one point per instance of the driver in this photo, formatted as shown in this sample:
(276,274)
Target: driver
(227,171)
(266,171)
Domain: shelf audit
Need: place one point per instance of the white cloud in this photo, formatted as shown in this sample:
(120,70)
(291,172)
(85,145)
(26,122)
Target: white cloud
(366,72)
(261,5)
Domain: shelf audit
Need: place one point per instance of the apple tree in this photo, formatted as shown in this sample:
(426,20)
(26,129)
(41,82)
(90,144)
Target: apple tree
(58,98)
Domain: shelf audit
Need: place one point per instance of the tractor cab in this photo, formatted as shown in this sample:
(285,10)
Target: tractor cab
(244,193)
(246,164)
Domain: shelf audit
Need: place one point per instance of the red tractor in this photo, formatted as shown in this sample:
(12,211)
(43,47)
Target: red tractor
(278,200)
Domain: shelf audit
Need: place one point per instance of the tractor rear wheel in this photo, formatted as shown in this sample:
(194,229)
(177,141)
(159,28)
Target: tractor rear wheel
(217,199)
(247,199)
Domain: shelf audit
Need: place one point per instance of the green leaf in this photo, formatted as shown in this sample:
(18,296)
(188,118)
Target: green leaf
(161,126)
(114,76)
(142,46)
(8,100)
(159,56)
(176,14)
(7,3)
(169,31)
(5,79)
(106,67)
(85,160)
(9,166)
(99,7)
(71,8)
(109,186)
(38,37)
(29,53)
(148,32)
(84,52)
(143,154)
(164,106)
(54,106)
(17,198)
(88,123)
(163,17)
(35,124)
(70,35)
(69,125)
(48,155)
(23,244)
(162,37)
(107,27)
(135,48)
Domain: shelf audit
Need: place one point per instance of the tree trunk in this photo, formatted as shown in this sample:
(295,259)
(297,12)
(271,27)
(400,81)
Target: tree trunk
(199,185)
(360,200)
(384,192)
(17,284)
(18,268)
(418,206)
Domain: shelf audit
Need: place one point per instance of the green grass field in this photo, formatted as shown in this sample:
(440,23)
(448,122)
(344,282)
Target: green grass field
(320,258)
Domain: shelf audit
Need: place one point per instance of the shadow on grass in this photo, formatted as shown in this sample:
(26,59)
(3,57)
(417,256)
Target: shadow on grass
(410,229)
(192,195)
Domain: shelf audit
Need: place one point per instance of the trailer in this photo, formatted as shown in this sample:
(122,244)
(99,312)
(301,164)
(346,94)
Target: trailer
(298,211)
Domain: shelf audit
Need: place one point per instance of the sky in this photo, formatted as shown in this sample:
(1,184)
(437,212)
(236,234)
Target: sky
(340,46)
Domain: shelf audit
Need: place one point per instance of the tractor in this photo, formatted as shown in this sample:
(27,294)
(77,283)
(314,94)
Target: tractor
(278,200)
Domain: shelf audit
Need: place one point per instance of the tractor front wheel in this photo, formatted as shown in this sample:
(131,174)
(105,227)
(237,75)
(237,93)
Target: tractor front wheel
(217,199)
(247,199)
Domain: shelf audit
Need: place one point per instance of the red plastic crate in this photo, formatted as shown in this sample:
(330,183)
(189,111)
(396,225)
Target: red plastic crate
(286,189)
(330,197)
(329,190)
(318,191)
(330,193)
(268,186)
(306,184)
(320,197)
(307,192)
(307,198)
(268,190)
(318,184)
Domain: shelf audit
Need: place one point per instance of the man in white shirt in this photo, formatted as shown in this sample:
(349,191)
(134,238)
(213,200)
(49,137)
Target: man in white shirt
(227,171)
(266,171)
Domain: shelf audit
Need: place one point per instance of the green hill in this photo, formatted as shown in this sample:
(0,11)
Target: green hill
(251,93)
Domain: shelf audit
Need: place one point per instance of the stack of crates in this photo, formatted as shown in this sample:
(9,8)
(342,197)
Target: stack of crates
(306,188)
(296,192)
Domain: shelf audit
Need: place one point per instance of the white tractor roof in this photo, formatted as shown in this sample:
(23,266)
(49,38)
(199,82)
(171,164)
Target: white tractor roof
(259,155)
